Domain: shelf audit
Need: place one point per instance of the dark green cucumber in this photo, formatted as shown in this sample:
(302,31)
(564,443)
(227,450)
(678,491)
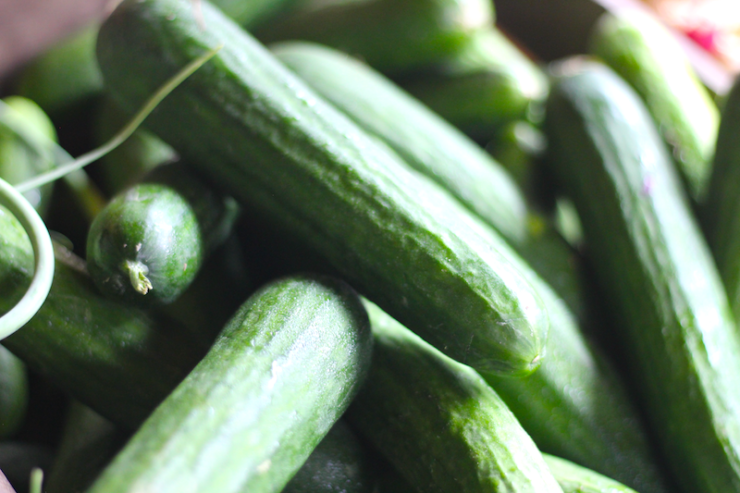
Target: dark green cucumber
(425,141)
(390,35)
(642,51)
(439,423)
(148,243)
(720,213)
(576,479)
(654,271)
(281,373)
(13,392)
(339,464)
(252,13)
(487,84)
(119,360)
(394,234)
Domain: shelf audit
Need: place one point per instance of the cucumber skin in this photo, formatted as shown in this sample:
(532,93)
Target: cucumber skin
(312,171)
(390,35)
(644,54)
(720,213)
(654,270)
(576,479)
(281,373)
(440,424)
(598,426)
(118,360)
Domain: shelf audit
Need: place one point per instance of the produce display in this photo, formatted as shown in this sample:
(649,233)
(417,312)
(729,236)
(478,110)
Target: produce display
(366,246)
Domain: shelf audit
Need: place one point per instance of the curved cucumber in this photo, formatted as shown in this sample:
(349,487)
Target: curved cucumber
(487,84)
(148,243)
(576,479)
(644,53)
(721,209)
(654,271)
(394,234)
(439,423)
(251,412)
(119,360)
(391,35)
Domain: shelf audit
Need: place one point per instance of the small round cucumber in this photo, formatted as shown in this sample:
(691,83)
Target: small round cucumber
(145,244)
(148,243)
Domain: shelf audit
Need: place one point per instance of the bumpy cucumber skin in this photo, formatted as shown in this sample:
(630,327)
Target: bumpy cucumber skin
(489,82)
(281,373)
(439,423)
(720,213)
(118,360)
(390,35)
(576,479)
(642,51)
(339,464)
(654,270)
(394,234)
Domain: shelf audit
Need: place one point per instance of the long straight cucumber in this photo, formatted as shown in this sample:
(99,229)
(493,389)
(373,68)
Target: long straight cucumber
(281,373)
(654,270)
(550,403)
(257,130)
(121,361)
(439,423)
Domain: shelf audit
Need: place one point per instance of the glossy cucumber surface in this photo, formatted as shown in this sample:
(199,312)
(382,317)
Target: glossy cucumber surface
(281,373)
(654,271)
(394,234)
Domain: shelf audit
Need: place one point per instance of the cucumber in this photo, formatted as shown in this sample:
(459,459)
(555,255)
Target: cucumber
(13,392)
(390,35)
(654,271)
(148,243)
(339,464)
(118,360)
(721,209)
(576,479)
(394,234)
(439,423)
(641,50)
(488,83)
(281,373)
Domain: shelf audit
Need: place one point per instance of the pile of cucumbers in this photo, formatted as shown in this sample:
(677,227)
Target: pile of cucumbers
(371,246)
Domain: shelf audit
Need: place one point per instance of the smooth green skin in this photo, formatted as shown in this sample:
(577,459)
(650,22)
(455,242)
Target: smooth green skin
(119,360)
(576,479)
(151,225)
(13,393)
(19,160)
(279,376)
(720,214)
(391,232)
(596,424)
(390,35)
(486,84)
(339,464)
(427,143)
(644,54)
(253,13)
(654,271)
(439,423)
(65,74)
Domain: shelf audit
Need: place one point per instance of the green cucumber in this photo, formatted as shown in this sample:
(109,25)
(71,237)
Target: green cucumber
(576,479)
(390,35)
(427,143)
(439,423)
(339,464)
(488,83)
(281,373)
(720,213)
(654,271)
(13,392)
(148,243)
(393,233)
(641,50)
(119,360)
